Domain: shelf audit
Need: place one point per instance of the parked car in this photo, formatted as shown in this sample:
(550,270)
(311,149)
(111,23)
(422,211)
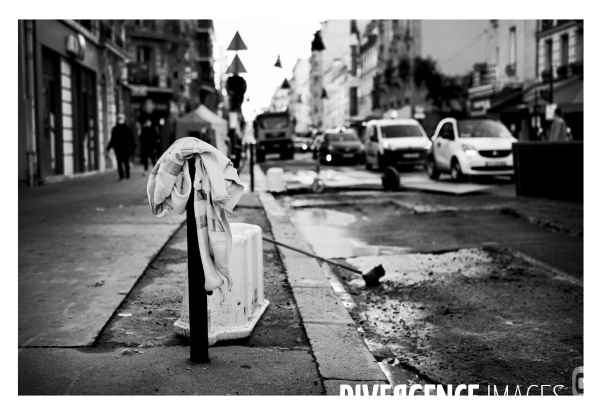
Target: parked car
(470,147)
(340,144)
(394,142)
(302,143)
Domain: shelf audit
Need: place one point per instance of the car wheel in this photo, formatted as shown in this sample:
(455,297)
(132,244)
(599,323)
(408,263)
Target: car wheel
(390,180)
(456,172)
(432,170)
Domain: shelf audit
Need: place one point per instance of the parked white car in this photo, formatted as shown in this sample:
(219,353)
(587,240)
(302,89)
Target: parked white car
(393,142)
(470,147)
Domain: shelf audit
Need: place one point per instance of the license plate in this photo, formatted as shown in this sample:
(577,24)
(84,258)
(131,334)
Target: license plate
(411,155)
(495,163)
(347,155)
(275,145)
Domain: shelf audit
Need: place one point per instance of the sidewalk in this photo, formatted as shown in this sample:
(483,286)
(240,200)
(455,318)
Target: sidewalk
(89,249)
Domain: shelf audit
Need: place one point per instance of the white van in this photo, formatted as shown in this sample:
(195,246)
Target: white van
(393,142)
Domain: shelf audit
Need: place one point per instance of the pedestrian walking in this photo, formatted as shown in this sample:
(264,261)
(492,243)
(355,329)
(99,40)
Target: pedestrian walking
(122,141)
(558,129)
(149,138)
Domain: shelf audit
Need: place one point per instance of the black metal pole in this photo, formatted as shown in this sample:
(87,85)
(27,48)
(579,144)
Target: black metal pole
(198,306)
(551,88)
(252,167)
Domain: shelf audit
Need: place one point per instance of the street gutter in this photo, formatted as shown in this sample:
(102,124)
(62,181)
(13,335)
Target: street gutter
(341,354)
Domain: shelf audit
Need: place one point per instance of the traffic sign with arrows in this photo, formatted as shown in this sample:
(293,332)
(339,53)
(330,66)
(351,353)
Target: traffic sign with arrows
(237,43)
(236,66)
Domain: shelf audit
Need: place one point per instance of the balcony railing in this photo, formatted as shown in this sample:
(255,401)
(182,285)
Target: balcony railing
(576,68)
(86,23)
(564,71)
(109,33)
(157,29)
(547,24)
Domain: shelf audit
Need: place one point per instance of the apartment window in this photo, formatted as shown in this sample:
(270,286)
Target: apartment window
(513,45)
(354,57)
(144,54)
(548,55)
(564,50)
(579,45)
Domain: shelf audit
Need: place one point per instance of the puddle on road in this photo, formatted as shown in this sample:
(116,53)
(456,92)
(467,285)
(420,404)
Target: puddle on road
(329,232)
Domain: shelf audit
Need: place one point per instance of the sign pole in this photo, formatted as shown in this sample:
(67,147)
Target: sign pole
(252,166)
(198,303)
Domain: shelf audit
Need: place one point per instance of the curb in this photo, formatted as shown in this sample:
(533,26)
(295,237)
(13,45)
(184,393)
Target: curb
(341,354)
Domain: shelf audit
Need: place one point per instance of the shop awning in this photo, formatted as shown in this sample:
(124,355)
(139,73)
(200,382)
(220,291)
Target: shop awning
(510,102)
(567,93)
(201,118)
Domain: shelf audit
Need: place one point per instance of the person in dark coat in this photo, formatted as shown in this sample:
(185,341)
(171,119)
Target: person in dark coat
(558,129)
(122,141)
(149,139)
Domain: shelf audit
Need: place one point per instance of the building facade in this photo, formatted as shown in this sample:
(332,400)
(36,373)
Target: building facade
(509,70)
(280,101)
(70,88)
(529,65)
(455,45)
(341,53)
(76,75)
(336,110)
(163,73)
(300,96)
(367,70)
(559,73)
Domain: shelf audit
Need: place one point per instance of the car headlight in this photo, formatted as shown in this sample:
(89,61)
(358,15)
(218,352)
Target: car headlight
(428,145)
(386,145)
(469,151)
(304,147)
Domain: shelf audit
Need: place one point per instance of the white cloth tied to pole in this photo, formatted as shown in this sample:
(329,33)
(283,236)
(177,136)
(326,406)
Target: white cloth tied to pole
(216,191)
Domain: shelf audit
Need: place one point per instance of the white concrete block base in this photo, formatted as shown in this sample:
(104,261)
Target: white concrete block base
(182,327)
(234,314)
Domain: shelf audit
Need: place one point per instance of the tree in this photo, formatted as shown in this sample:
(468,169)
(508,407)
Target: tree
(447,93)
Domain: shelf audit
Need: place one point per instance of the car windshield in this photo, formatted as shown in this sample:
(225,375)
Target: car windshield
(342,138)
(400,131)
(482,128)
(274,123)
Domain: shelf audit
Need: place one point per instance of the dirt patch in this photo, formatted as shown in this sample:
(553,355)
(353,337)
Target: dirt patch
(155,301)
(471,316)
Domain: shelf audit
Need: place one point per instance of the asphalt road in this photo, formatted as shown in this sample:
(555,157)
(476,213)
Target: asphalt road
(481,286)
(300,172)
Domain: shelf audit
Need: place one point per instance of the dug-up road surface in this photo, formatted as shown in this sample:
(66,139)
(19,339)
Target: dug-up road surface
(477,289)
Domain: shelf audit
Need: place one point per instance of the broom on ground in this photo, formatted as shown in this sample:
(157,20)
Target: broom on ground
(371,278)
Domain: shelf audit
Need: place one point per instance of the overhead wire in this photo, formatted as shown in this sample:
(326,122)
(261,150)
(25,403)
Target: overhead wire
(466,47)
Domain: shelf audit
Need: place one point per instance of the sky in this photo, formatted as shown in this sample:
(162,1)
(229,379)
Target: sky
(265,39)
